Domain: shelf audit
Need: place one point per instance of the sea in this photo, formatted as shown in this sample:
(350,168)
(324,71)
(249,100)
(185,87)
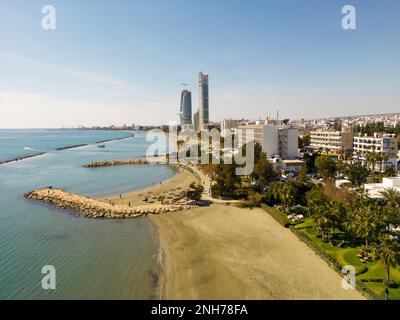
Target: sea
(93,259)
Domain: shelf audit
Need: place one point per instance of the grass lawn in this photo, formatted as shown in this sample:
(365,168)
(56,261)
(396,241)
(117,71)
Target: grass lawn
(348,256)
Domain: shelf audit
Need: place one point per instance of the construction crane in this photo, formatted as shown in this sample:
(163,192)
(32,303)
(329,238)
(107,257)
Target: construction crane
(185,85)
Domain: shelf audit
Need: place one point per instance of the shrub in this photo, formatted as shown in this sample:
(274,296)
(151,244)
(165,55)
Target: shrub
(253,201)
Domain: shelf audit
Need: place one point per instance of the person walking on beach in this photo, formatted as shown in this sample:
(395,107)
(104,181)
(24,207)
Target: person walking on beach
(129,204)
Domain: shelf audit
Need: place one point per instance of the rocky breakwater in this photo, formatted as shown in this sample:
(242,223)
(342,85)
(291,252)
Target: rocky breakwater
(112,163)
(91,208)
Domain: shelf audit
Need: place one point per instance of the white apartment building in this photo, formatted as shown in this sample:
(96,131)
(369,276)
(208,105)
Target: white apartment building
(386,144)
(332,141)
(229,124)
(275,140)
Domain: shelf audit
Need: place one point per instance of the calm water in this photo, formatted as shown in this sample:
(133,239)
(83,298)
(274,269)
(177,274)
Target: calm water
(13,142)
(94,259)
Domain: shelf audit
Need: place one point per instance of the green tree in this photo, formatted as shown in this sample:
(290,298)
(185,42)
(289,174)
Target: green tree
(321,222)
(287,194)
(367,223)
(310,161)
(263,172)
(391,214)
(303,175)
(226,179)
(336,214)
(387,254)
(257,151)
(315,198)
(391,197)
(357,173)
(390,172)
(304,141)
(371,158)
(326,167)
(197,190)
(316,206)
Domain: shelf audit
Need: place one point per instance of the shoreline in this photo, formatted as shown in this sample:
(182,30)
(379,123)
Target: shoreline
(181,179)
(168,188)
(21,158)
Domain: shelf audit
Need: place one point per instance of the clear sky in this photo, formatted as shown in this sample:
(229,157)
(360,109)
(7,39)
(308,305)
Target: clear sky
(124,61)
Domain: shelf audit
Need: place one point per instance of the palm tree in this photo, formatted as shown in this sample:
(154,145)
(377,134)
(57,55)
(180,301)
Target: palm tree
(379,159)
(370,158)
(334,211)
(391,212)
(385,158)
(321,221)
(274,191)
(349,224)
(391,197)
(287,194)
(356,156)
(387,254)
(367,223)
(327,151)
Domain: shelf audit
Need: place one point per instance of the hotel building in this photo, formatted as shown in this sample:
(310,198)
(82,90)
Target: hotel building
(386,144)
(332,141)
(276,140)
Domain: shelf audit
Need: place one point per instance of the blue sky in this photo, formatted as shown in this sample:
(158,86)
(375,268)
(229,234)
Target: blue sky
(124,61)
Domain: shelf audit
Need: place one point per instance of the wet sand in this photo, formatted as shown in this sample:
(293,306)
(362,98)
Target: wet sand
(223,252)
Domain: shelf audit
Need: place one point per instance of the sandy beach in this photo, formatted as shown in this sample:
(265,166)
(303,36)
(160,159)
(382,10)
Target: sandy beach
(176,184)
(223,252)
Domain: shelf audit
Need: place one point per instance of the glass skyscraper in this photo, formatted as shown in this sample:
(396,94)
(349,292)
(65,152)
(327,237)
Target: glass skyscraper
(186,107)
(203,99)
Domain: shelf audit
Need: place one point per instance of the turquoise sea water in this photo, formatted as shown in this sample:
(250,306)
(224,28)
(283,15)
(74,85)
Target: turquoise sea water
(94,259)
(13,142)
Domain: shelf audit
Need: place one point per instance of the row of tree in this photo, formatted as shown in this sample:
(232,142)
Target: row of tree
(361,219)
(338,211)
(372,127)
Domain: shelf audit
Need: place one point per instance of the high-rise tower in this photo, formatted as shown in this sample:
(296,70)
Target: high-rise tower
(186,108)
(203,100)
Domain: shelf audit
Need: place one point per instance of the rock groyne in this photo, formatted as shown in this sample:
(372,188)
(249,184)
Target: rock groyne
(22,157)
(91,208)
(112,163)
